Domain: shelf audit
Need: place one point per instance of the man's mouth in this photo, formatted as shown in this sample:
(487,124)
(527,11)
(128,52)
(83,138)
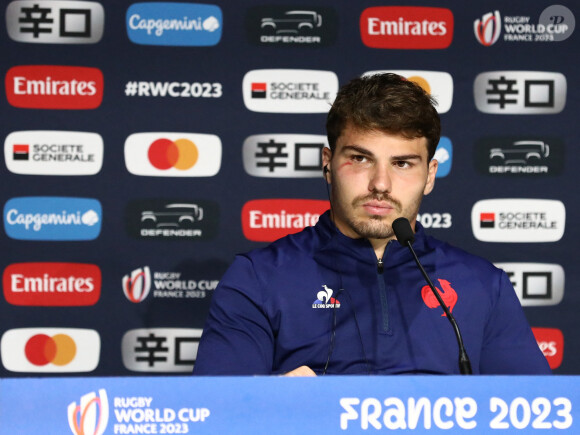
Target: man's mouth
(378,208)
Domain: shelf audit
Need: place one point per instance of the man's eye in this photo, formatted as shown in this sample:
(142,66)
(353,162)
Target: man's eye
(359,158)
(402,164)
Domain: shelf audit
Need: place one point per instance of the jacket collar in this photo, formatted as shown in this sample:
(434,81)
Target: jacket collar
(342,253)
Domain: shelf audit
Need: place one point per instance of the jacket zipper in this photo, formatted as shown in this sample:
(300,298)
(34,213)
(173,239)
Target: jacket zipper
(383,292)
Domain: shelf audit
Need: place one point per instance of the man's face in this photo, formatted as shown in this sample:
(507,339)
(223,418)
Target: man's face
(377,177)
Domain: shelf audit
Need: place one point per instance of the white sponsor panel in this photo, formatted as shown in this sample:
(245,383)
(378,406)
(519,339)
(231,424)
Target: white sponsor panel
(284,155)
(193,154)
(45,152)
(437,83)
(520,92)
(289,90)
(50,350)
(55,22)
(536,284)
(517,220)
(160,349)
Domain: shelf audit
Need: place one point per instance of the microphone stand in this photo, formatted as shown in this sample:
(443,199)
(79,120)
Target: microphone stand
(464,363)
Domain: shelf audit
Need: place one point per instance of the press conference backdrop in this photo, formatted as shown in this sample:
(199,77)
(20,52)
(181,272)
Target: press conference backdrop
(146,143)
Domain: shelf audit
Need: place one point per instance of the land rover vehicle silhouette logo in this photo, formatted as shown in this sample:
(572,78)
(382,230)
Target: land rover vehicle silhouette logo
(173,216)
(523,151)
(292,22)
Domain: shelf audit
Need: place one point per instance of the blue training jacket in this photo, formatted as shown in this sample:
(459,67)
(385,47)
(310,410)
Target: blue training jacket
(321,299)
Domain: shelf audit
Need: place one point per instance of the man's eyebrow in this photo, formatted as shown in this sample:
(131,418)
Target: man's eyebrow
(357,149)
(407,157)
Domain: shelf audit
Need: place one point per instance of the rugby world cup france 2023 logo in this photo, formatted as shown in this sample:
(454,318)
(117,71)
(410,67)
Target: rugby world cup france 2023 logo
(90,416)
(137,285)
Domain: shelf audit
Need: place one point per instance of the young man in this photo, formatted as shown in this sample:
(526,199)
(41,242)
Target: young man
(344,297)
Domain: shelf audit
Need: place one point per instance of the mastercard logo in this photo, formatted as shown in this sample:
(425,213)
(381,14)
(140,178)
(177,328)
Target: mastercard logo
(181,154)
(173,154)
(50,350)
(42,349)
(418,80)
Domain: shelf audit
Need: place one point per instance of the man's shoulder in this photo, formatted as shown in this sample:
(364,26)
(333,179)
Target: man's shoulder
(454,254)
(291,248)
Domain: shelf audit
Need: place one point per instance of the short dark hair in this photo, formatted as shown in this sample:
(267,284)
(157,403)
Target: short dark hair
(385,102)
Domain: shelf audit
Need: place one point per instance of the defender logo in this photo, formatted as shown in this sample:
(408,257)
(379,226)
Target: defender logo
(276,25)
(523,156)
(178,220)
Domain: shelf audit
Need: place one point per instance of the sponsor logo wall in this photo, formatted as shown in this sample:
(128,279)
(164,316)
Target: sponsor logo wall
(147,143)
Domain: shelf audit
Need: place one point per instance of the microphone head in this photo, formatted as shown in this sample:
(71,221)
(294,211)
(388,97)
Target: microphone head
(403,231)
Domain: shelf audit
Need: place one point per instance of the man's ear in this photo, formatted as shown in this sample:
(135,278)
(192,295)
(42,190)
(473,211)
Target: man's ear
(326,168)
(432,171)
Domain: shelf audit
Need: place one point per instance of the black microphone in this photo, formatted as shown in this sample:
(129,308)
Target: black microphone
(406,237)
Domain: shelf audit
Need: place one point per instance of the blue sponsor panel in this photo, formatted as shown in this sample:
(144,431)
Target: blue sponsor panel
(329,405)
(444,156)
(52,218)
(174,24)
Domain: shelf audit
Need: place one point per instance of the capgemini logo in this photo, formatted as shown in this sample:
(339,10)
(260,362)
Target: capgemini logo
(136,287)
(488,28)
(91,416)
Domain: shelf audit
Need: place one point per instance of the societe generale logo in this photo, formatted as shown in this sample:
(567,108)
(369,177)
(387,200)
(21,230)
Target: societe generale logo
(91,415)
(289,90)
(52,284)
(551,343)
(54,87)
(518,220)
(266,220)
(173,154)
(406,27)
(50,350)
(53,152)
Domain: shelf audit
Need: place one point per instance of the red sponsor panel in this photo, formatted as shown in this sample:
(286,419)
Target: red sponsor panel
(54,87)
(406,27)
(551,343)
(52,284)
(266,220)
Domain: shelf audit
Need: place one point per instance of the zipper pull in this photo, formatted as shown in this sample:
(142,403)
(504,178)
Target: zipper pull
(380,265)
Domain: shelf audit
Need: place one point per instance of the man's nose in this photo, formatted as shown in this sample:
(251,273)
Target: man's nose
(380,179)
